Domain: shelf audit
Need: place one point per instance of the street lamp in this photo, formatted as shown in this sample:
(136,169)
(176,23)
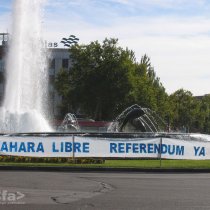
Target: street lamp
(69,41)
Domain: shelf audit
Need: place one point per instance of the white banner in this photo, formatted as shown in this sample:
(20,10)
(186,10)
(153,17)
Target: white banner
(67,146)
(185,149)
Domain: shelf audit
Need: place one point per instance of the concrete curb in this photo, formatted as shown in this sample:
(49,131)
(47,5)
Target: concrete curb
(101,169)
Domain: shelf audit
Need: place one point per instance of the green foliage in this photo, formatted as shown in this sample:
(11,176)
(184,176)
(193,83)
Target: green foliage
(203,118)
(147,89)
(98,80)
(99,163)
(181,104)
(105,79)
(189,113)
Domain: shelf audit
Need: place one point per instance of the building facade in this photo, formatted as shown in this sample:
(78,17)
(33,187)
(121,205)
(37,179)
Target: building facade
(58,59)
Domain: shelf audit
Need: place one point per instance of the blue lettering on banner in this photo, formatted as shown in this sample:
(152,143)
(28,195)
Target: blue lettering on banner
(21,147)
(128,147)
(199,151)
(31,146)
(157,148)
(135,148)
(171,149)
(113,148)
(86,147)
(57,147)
(202,152)
(142,148)
(146,148)
(150,148)
(179,150)
(163,149)
(13,146)
(77,147)
(4,147)
(121,148)
(53,148)
(68,147)
(40,147)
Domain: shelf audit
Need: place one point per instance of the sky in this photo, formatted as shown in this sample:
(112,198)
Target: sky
(175,34)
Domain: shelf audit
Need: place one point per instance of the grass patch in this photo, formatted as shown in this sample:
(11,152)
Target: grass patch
(147,164)
(156,163)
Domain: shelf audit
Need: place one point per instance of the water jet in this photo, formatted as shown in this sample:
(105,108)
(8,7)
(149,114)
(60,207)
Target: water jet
(25,100)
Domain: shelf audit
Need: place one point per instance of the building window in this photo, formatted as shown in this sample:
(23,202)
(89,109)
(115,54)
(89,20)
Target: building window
(52,96)
(52,64)
(1,100)
(1,65)
(1,77)
(65,63)
(51,79)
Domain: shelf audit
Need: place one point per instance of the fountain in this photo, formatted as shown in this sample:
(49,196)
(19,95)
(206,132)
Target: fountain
(136,133)
(25,100)
(137,119)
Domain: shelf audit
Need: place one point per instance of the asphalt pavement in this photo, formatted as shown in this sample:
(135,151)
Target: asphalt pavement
(79,190)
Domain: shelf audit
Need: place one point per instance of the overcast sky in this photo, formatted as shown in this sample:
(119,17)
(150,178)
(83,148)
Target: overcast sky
(175,34)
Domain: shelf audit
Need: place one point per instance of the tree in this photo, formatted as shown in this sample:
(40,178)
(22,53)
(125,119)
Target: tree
(147,90)
(185,109)
(203,116)
(98,81)
(105,79)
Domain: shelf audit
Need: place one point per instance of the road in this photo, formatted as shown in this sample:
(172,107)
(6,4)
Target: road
(68,190)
